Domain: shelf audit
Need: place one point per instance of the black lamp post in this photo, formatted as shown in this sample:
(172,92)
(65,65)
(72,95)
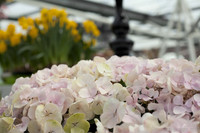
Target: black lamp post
(121,45)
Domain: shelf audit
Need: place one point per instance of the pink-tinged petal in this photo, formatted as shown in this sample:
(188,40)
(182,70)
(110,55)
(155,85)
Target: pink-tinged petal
(88,88)
(155,106)
(84,93)
(132,100)
(60,71)
(57,98)
(20,81)
(194,109)
(59,83)
(132,116)
(120,92)
(137,129)
(82,106)
(197,98)
(179,110)
(87,92)
(150,122)
(144,97)
(178,100)
(23,126)
(124,128)
(130,77)
(188,103)
(113,112)
(139,84)
(42,95)
(153,93)
(103,85)
(100,127)
(31,112)
(161,115)
(140,108)
(43,76)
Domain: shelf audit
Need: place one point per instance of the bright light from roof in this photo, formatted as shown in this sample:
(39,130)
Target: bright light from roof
(16,10)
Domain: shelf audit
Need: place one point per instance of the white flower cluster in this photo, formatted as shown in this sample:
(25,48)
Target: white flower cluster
(119,95)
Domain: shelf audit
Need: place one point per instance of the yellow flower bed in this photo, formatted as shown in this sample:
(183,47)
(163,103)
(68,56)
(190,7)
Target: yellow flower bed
(3,47)
(49,39)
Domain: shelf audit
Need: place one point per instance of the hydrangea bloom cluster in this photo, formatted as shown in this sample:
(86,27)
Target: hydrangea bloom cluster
(119,95)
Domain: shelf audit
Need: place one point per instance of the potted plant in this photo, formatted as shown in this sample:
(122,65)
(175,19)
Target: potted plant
(49,39)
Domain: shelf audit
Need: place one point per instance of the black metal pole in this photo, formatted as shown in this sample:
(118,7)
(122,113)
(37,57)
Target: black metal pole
(120,27)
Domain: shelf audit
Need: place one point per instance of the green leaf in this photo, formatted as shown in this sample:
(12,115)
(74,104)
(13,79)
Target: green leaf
(25,48)
(77,121)
(122,83)
(38,56)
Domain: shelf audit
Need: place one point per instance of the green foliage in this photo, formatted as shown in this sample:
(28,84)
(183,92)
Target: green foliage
(122,83)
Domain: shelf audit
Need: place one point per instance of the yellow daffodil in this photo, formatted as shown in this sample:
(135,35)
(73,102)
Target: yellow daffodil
(21,20)
(96,32)
(30,21)
(53,22)
(33,32)
(77,38)
(71,25)
(24,37)
(62,14)
(76,35)
(44,12)
(3,35)
(15,39)
(87,44)
(74,32)
(3,47)
(86,26)
(90,27)
(25,23)
(45,27)
(50,17)
(53,12)
(93,42)
(44,20)
(38,21)
(90,43)
(62,21)
(11,29)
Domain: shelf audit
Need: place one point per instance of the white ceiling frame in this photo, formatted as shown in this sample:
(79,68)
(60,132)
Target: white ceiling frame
(153,30)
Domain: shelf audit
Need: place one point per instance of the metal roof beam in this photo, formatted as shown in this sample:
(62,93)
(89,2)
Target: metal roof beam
(106,10)
(138,30)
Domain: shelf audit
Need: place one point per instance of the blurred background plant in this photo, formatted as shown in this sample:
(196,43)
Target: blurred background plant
(2,1)
(49,39)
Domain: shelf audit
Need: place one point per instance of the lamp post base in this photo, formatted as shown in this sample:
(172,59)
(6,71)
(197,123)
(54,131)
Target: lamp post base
(120,27)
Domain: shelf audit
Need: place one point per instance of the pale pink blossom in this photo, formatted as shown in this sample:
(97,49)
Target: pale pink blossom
(104,85)
(43,76)
(60,71)
(113,112)
(121,95)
